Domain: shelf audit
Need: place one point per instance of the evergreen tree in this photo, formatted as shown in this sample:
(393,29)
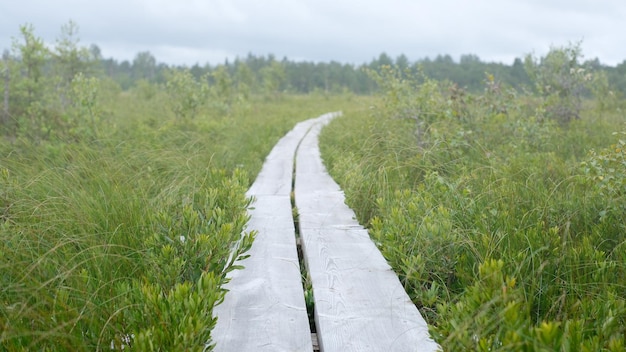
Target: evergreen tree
(32,55)
(144,66)
(69,56)
(273,77)
(30,113)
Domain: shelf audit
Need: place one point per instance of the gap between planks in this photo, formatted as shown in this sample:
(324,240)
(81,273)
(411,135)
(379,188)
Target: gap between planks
(330,234)
(264,309)
(360,304)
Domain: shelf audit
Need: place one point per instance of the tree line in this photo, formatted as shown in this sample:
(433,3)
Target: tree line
(45,86)
(469,72)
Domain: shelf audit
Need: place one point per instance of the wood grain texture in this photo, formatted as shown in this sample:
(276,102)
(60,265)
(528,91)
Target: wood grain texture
(360,304)
(264,309)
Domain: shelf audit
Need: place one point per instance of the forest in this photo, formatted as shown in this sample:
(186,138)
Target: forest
(305,77)
(496,192)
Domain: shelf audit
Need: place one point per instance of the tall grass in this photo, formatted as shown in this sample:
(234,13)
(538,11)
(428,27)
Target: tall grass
(501,237)
(123,242)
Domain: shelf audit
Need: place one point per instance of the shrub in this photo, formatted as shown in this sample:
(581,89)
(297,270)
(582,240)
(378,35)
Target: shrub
(500,238)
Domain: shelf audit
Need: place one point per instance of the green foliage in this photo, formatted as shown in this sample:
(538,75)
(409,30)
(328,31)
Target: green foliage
(84,97)
(187,94)
(407,96)
(70,58)
(124,242)
(145,89)
(192,251)
(561,80)
(223,90)
(273,77)
(33,55)
(88,261)
(145,66)
(244,80)
(606,98)
(186,308)
(40,86)
(26,84)
(504,229)
(606,169)
(501,238)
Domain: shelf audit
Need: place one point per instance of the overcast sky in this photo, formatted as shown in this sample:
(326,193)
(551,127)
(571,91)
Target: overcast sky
(351,31)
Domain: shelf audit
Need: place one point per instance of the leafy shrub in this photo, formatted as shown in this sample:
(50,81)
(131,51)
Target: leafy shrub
(561,80)
(187,94)
(113,270)
(124,241)
(607,170)
(409,96)
(500,238)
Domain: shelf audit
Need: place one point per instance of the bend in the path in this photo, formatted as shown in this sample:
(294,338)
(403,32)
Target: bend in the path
(360,304)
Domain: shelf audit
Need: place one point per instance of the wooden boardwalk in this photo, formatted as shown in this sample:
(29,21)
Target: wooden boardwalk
(360,304)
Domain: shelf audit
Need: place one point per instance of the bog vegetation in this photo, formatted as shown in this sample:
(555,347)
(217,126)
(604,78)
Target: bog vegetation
(499,201)
(502,212)
(122,211)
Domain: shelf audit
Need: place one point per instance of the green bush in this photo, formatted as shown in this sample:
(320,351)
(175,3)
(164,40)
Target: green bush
(500,237)
(124,241)
(606,169)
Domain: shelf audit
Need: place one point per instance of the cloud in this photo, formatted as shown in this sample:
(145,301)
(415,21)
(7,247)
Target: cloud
(190,31)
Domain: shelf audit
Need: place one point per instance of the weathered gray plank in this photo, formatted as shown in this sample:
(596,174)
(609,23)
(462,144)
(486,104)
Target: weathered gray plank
(360,304)
(276,174)
(265,309)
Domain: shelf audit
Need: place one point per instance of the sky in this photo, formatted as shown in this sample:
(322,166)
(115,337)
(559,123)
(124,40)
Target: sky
(188,32)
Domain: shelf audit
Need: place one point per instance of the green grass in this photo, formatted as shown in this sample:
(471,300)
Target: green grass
(506,229)
(124,241)
(500,227)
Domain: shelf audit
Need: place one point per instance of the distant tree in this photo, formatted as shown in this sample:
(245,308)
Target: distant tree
(222,88)
(186,94)
(273,77)
(365,82)
(32,54)
(198,71)
(605,97)
(561,80)
(442,68)
(123,73)
(86,106)
(444,59)
(519,76)
(70,57)
(470,72)
(30,115)
(402,63)
(383,60)
(144,66)
(469,60)
(594,64)
(415,97)
(95,52)
(244,79)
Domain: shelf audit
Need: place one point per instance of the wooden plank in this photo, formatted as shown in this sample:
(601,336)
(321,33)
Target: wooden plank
(360,304)
(276,174)
(264,309)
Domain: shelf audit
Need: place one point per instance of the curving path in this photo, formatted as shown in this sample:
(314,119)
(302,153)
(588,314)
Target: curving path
(360,304)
